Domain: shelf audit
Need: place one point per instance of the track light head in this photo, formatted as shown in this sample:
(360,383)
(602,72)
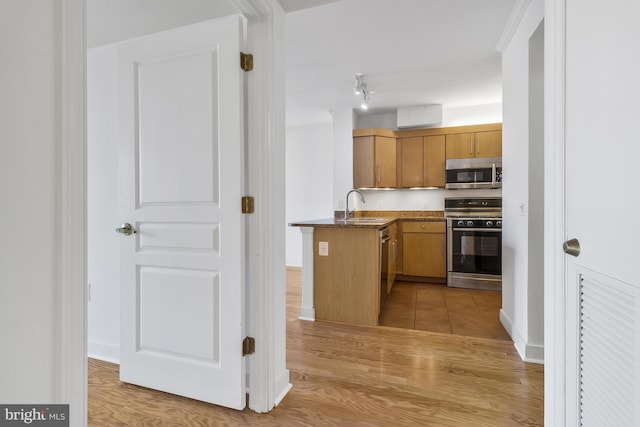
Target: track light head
(357,90)
(361,89)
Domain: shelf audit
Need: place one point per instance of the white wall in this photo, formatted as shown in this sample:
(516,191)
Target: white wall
(451,116)
(309,181)
(524,322)
(30,172)
(343,125)
(103,338)
(387,120)
(472,115)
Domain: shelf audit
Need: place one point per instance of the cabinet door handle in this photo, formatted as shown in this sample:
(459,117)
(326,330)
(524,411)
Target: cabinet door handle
(470,145)
(378,173)
(477,144)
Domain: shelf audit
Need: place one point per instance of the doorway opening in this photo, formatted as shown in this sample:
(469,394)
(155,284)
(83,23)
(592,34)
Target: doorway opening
(536,203)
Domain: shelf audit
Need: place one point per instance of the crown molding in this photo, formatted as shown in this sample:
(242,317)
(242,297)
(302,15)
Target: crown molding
(519,8)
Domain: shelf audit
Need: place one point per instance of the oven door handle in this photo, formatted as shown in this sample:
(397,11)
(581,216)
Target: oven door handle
(490,230)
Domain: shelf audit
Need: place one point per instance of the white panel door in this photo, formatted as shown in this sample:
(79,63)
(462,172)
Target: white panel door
(181,180)
(602,204)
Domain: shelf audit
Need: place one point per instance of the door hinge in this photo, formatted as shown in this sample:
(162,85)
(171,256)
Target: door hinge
(246,61)
(247,205)
(248,346)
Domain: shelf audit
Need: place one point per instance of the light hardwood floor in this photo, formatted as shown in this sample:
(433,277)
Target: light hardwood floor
(346,375)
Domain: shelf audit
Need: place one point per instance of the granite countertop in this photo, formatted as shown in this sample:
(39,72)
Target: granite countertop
(372,219)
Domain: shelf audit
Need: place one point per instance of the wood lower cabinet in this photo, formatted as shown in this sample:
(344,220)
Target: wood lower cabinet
(346,283)
(393,256)
(474,144)
(424,249)
(422,161)
(374,162)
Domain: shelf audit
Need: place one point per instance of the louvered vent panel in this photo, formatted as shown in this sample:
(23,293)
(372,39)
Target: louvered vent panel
(607,353)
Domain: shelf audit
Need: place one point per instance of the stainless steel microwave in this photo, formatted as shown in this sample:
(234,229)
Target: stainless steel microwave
(483,172)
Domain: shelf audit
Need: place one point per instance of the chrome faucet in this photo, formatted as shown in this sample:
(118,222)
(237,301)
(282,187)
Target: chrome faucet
(346,207)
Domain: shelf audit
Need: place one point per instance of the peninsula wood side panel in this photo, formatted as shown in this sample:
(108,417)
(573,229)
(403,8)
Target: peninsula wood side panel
(346,282)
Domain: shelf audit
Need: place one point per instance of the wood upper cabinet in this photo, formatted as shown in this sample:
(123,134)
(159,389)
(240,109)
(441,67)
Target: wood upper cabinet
(374,162)
(474,144)
(422,161)
(411,163)
(434,161)
(489,144)
(409,158)
(424,248)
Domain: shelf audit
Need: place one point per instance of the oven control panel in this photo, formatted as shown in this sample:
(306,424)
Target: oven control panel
(476,222)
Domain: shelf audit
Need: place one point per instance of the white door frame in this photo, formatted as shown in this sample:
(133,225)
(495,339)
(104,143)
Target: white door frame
(558,361)
(73,201)
(265,128)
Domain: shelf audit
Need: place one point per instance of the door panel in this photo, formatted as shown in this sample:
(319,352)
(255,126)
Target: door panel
(171,113)
(173,301)
(411,152)
(601,173)
(424,254)
(489,144)
(386,160)
(181,172)
(460,145)
(434,161)
(363,162)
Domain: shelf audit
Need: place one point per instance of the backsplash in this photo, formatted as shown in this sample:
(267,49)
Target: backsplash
(406,200)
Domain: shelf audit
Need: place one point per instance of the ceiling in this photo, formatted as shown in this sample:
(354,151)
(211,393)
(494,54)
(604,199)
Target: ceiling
(410,52)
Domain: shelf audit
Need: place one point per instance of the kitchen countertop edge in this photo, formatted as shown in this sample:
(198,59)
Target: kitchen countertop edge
(339,223)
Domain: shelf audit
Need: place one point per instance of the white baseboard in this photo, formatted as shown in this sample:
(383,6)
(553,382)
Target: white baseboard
(506,323)
(103,351)
(307,313)
(282,387)
(532,353)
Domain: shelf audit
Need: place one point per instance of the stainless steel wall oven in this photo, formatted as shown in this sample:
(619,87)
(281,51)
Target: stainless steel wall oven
(474,242)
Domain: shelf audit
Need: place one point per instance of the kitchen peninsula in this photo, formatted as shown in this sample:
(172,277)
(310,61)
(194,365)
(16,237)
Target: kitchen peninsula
(348,271)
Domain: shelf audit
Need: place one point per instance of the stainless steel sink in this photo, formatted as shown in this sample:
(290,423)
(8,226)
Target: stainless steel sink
(365,219)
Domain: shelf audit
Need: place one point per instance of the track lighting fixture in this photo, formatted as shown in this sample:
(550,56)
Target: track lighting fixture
(365,101)
(360,85)
(361,89)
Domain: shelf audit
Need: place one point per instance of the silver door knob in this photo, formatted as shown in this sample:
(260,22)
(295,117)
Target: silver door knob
(571,247)
(126,229)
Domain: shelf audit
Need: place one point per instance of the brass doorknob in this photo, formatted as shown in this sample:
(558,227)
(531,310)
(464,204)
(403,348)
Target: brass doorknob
(126,229)
(571,247)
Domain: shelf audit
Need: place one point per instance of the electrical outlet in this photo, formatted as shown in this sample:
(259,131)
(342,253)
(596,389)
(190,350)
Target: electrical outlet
(323,248)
